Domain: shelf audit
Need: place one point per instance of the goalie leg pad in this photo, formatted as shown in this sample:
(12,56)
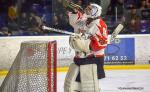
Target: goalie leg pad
(70,84)
(89,79)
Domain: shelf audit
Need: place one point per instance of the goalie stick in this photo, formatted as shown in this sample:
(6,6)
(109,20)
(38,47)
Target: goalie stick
(112,38)
(57,30)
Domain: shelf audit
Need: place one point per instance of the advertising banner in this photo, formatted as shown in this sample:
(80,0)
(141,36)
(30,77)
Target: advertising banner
(121,51)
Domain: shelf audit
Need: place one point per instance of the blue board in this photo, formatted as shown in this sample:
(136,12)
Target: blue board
(121,51)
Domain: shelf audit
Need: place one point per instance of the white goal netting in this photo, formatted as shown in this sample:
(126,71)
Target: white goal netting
(34,69)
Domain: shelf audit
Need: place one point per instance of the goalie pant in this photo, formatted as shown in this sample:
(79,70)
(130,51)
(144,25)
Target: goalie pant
(99,61)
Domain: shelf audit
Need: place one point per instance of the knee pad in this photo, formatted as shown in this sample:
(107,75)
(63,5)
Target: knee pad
(70,84)
(89,78)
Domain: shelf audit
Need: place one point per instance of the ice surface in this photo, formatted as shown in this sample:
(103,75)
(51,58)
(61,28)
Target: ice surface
(116,81)
(119,81)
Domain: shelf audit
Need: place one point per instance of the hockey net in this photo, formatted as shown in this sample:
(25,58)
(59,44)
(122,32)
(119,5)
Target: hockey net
(34,69)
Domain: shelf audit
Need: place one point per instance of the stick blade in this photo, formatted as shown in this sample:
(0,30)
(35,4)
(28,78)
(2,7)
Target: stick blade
(116,32)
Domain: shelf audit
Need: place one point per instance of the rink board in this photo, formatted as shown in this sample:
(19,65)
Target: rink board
(138,45)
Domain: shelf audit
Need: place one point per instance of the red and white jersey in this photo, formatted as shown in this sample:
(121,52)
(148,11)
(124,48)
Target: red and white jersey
(97,28)
(77,21)
(99,38)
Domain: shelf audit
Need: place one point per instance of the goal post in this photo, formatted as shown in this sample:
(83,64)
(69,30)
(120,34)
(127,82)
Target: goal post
(52,66)
(34,69)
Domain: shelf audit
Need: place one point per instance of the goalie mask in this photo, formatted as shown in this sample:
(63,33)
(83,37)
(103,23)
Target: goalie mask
(93,10)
